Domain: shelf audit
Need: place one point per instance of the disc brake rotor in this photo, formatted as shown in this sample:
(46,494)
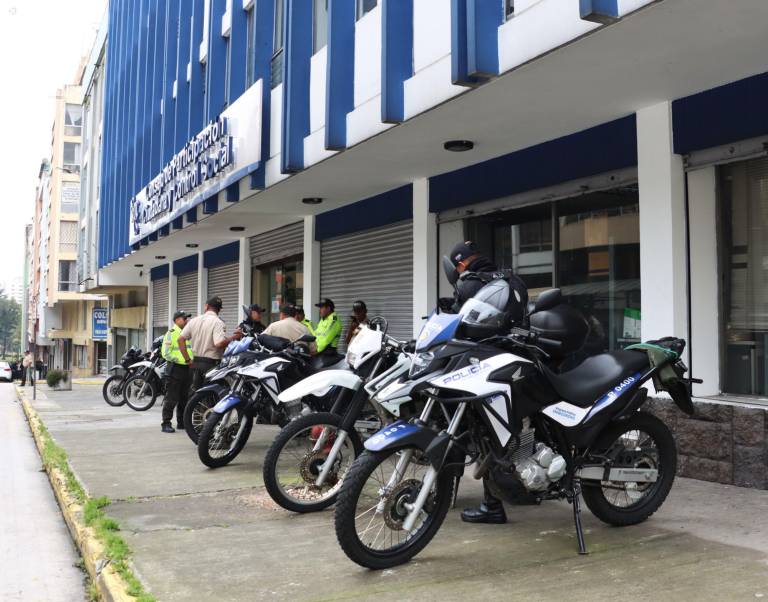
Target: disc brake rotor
(395,511)
(312,464)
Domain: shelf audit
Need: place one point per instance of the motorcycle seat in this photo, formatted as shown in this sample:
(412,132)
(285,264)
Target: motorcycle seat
(325,360)
(596,375)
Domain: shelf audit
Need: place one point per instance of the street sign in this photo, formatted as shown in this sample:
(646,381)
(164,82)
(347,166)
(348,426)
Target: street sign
(100,323)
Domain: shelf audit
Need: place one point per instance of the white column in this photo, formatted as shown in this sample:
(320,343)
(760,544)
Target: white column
(172,294)
(150,309)
(244,274)
(311,269)
(662,226)
(424,255)
(202,283)
(705,319)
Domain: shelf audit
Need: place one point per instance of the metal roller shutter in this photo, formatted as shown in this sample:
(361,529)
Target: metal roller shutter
(374,266)
(222,281)
(186,293)
(160,303)
(277,244)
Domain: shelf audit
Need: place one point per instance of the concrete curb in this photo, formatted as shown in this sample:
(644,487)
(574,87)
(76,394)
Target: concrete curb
(109,585)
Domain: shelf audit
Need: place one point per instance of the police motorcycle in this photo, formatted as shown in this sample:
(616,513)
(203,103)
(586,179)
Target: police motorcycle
(304,466)
(253,396)
(220,379)
(532,433)
(147,383)
(112,391)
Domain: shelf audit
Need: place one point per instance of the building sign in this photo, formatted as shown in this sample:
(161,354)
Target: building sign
(202,168)
(70,197)
(100,323)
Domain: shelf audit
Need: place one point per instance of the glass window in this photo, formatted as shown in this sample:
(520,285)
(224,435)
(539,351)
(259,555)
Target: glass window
(365,6)
(320,25)
(276,284)
(68,237)
(67,276)
(71,157)
(276,66)
(73,120)
(250,59)
(509,8)
(743,244)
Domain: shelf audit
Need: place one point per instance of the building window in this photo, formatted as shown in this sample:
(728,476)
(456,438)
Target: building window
(71,163)
(73,120)
(588,246)
(364,7)
(320,25)
(743,244)
(70,197)
(276,284)
(276,66)
(250,58)
(68,237)
(81,356)
(509,8)
(67,276)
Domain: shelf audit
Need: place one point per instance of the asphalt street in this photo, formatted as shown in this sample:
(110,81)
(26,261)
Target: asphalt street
(38,561)
(201,534)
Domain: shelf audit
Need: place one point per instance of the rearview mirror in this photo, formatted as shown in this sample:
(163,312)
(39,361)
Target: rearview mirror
(548,299)
(306,338)
(450,271)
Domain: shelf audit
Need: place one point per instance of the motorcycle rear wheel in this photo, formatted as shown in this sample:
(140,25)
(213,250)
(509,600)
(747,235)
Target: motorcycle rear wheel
(138,385)
(623,504)
(291,452)
(196,413)
(360,495)
(217,448)
(112,391)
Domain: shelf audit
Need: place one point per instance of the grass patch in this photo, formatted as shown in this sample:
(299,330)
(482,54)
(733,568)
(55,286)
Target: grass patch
(106,529)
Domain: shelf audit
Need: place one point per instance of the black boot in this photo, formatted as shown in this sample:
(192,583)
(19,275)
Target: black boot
(167,428)
(487,512)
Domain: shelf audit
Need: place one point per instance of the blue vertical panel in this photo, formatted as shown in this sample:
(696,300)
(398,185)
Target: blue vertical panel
(396,57)
(483,20)
(181,127)
(296,69)
(156,123)
(459,48)
(106,176)
(340,72)
(264,18)
(143,51)
(169,76)
(238,49)
(217,62)
(599,11)
(197,79)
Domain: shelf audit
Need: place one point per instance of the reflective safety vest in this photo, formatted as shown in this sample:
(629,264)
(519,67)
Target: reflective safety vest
(170,349)
(327,332)
(308,323)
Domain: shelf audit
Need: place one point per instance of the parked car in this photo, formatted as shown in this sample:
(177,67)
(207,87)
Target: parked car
(6,373)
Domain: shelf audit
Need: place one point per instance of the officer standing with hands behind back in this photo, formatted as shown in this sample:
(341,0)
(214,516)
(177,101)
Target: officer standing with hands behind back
(177,374)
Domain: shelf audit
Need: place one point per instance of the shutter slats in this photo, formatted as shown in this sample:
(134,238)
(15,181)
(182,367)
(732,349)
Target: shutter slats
(277,244)
(222,282)
(186,293)
(160,303)
(374,266)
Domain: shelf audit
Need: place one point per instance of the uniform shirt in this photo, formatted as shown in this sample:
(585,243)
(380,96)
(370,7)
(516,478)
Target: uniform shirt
(328,333)
(205,332)
(289,328)
(170,349)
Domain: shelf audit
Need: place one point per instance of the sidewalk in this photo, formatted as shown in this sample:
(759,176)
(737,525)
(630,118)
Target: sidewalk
(201,534)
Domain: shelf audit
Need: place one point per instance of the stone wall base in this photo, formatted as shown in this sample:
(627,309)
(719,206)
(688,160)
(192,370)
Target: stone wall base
(721,443)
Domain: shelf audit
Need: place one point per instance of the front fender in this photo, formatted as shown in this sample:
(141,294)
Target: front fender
(217,389)
(226,404)
(320,383)
(401,434)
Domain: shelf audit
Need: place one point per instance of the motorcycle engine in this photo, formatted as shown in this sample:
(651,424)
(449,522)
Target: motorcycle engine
(536,465)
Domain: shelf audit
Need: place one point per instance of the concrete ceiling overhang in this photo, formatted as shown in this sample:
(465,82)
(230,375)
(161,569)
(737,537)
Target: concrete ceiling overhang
(667,50)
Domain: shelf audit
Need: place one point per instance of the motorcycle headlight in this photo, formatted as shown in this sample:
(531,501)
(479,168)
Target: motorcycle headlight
(351,359)
(420,362)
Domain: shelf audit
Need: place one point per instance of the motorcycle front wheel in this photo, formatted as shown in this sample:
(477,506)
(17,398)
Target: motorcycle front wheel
(372,507)
(645,442)
(196,413)
(223,437)
(112,391)
(140,393)
(291,465)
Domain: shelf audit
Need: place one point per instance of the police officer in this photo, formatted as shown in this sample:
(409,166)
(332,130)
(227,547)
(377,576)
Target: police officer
(358,318)
(301,317)
(177,374)
(253,324)
(328,329)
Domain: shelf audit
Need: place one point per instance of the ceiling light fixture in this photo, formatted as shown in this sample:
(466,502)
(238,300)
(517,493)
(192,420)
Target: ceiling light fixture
(237,228)
(312,200)
(138,265)
(159,256)
(192,245)
(458,146)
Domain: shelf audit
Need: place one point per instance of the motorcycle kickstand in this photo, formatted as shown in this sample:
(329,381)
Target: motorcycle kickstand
(576,501)
(456,481)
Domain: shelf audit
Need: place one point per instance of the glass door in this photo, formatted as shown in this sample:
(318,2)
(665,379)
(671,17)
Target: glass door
(276,284)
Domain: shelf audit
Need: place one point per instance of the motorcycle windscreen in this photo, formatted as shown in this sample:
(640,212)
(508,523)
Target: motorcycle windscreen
(440,328)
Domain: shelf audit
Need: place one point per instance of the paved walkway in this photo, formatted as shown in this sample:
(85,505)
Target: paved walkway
(37,557)
(202,534)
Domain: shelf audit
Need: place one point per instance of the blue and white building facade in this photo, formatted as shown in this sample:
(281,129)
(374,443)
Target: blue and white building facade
(284,150)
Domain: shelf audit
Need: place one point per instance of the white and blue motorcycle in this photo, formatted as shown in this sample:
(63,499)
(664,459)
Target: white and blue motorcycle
(531,433)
